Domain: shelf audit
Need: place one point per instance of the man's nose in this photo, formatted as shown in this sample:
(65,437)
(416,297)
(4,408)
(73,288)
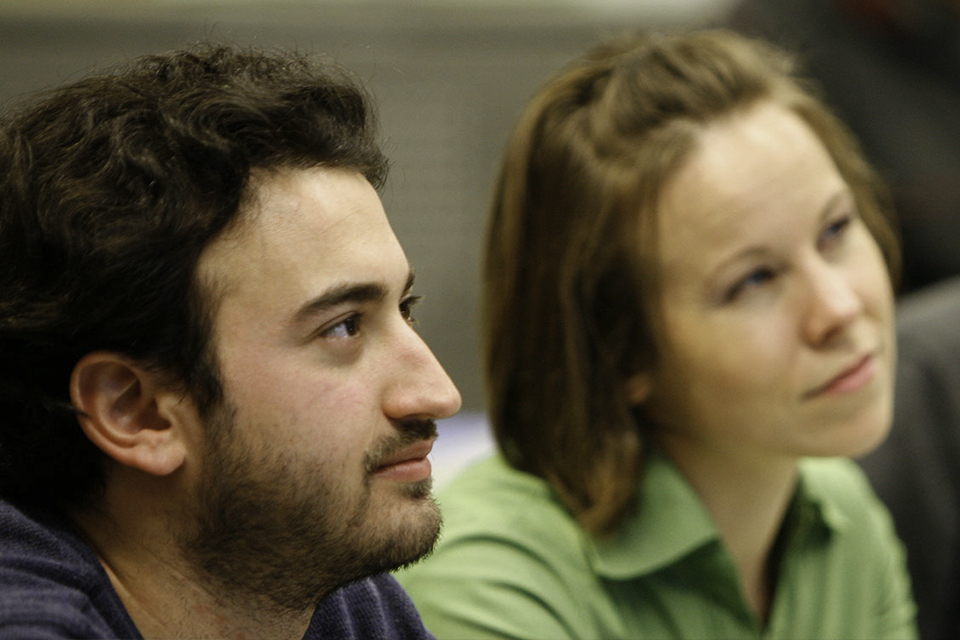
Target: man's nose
(420,388)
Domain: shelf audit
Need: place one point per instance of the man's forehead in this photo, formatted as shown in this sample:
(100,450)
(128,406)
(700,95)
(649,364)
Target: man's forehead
(306,232)
(286,202)
(316,212)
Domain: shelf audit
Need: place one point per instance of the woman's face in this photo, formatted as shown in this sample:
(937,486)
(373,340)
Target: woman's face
(777,340)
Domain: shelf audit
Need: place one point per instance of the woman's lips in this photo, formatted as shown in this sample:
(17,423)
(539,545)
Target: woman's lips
(851,379)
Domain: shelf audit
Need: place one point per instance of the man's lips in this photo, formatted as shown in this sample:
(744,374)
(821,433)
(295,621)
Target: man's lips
(850,379)
(409,464)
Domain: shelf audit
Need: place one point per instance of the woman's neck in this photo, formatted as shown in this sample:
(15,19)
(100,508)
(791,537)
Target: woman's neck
(747,497)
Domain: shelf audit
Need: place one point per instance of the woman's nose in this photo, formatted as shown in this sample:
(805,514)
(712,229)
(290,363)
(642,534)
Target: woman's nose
(833,303)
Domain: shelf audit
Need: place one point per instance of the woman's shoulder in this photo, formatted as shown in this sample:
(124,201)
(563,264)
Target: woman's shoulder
(862,557)
(836,476)
(493,500)
(494,473)
(509,543)
(838,472)
(843,493)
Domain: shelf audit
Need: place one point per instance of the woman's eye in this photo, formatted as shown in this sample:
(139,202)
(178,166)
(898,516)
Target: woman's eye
(754,279)
(346,328)
(406,308)
(835,231)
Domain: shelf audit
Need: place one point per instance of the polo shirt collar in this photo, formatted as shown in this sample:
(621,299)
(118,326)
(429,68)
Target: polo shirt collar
(673,522)
(817,499)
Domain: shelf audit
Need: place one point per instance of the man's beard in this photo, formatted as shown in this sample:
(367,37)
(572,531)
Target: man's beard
(270,525)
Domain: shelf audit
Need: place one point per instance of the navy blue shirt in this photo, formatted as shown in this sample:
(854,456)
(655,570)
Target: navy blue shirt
(53,586)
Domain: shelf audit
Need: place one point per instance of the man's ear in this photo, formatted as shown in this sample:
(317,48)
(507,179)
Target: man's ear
(127,412)
(638,388)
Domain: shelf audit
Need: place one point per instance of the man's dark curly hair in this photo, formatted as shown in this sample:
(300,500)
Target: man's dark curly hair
(110,189)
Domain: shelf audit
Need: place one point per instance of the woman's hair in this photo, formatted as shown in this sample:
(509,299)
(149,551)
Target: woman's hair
(570,278)
(110,190)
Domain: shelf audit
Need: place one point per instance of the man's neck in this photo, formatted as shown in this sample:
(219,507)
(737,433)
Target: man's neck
(165,596)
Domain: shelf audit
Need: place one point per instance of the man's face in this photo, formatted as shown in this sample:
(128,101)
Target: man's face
(314,470)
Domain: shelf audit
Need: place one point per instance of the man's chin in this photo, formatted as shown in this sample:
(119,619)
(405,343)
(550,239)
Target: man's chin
(420,490)
(417,535)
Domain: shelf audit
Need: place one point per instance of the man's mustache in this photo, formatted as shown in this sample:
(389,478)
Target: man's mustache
(408,433)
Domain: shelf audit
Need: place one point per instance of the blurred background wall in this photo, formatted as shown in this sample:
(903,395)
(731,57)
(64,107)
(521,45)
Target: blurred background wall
(449,76)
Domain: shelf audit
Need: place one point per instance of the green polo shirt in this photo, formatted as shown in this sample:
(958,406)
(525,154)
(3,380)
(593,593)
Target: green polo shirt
(512,563)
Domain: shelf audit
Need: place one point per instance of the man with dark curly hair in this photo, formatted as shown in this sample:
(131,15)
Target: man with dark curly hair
(215,414)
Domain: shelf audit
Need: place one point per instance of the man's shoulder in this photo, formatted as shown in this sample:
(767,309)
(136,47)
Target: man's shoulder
(38,551)
(375,607)
(52,583)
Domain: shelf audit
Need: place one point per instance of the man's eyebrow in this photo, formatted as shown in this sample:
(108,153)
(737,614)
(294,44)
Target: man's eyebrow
(363,292)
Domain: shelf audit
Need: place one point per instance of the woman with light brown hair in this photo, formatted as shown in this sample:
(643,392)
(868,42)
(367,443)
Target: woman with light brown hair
(689,328)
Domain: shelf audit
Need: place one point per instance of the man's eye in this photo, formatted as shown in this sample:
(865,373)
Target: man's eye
(346,328)
(406,307)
